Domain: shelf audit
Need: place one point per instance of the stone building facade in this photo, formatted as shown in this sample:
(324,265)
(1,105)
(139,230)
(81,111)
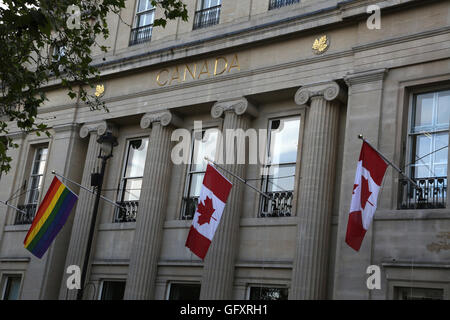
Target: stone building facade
(310,73)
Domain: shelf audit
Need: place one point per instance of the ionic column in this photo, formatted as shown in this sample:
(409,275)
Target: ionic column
(152,207)
(218,269)
(85,205)
(316,189)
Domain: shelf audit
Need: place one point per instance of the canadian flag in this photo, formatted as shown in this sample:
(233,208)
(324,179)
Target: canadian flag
(211,202)
(369,175)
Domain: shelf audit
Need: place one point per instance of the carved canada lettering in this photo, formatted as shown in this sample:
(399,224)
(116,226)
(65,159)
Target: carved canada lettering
(202,69)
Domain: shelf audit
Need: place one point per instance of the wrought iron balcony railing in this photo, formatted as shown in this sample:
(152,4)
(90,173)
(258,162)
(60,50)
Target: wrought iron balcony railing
(127,213)
(28,216)
(431,195)
(279,204)
(141,34)
(275,4)
(206,17)
(189,207)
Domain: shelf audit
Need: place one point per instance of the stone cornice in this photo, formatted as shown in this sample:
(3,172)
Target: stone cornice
(330,91)
(100,128)
(240,106)
(366,76)
(164,117)
(16,135)
(66,127)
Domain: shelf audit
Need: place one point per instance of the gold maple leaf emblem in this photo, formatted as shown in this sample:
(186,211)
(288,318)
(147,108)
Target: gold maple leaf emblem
(99,90)
(320,44)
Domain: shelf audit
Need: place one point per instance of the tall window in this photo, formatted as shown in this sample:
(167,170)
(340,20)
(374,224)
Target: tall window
(278,180)
(33,186)
(184,291)
(274,4)
(208,13)
(11,287)
(131,181)
(203,146)
(428,140)
(112,290)
(145,15)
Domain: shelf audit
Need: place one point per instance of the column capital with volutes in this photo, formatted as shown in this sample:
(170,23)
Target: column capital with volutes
(330,91)
(239,106)
(164,117)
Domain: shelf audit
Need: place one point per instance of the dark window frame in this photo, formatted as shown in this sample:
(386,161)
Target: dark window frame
(188,202)
(188,284)
(433,194)
(131,206)
(6,285)
(281,199)
(102,288)
(140,34)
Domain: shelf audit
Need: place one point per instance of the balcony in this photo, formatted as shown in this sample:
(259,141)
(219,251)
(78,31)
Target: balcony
(206,17)
(28,216)
(141,34)
(279,204)
(431,195)
(275,4)
(189,208)
(127,213)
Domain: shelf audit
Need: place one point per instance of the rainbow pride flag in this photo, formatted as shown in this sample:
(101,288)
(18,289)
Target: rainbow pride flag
(50,218)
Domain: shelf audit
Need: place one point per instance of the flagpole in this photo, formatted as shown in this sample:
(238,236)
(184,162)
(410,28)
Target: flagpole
(11,206)
(360,136)
(239,178)
(87,189)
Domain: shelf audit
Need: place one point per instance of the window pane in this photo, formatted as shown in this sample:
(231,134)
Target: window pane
(210,3)
(284,140)
(196,184)
(12,286)
(265,293)
(443,105)
(144,5)
(428,162)
(281,178)
(137,153)
(113,290)
(35,186)
(441,142)
(39,161)
(180,291)
(145,19)
(132,189)
(424,110)
(205,147)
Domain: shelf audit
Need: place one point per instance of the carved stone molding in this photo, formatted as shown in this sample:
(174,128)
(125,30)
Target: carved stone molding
(330,91)
(66,127)
(16,135)
(100,127)
(239,106)
(365,77)
(164,117)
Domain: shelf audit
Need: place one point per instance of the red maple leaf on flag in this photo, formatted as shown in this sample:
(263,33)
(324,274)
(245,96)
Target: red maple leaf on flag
(365,192)
(205,211)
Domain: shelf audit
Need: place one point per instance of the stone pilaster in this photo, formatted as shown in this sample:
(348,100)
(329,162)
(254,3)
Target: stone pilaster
(152,207)
(85,205)
(364,116)
(316,190)
(218,270)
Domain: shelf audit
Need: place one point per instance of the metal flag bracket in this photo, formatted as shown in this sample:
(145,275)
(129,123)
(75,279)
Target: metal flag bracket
(239,178)
(360,136)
